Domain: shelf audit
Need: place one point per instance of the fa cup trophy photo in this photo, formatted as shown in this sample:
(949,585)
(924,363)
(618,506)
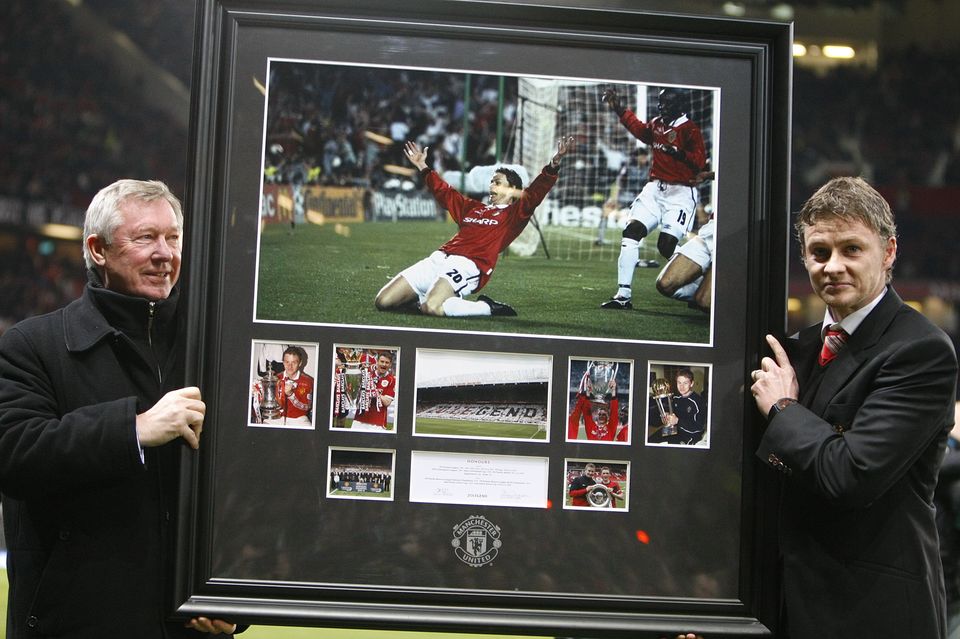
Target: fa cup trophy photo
(283,384)
(269,406)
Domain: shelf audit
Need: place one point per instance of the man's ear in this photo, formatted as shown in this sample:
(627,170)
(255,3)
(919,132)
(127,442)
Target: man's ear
(96,246)
(890,253)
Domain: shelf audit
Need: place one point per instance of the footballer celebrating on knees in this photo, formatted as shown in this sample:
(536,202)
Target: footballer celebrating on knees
(441,282)
(669,200)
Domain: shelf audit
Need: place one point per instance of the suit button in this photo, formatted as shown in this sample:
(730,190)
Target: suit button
(777,463)
(64,535)
(32,622)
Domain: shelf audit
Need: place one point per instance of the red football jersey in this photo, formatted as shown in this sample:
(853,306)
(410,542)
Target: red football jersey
(376,414)
(682,133)
(616,491)
(299,402)
(486,229)
(596,432)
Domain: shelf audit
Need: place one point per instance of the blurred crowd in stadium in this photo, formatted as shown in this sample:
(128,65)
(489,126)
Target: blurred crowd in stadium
(68,129)
(373,115)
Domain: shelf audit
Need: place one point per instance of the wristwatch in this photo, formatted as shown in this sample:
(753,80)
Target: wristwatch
(779,405)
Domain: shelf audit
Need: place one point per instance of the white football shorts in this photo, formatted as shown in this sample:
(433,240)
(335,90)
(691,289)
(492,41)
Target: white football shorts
(672,207)
(699,248)
(460,271)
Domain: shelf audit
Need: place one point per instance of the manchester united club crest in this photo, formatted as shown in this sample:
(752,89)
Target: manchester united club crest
(476,541)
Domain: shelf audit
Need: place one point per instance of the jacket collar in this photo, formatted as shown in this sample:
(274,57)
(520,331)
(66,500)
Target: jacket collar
(876,323)
(857,348)
(84,323)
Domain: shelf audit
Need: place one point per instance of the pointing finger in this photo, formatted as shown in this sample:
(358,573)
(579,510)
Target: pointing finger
(778,353)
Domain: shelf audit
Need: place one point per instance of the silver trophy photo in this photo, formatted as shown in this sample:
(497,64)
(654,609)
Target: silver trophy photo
(353,381)
(598,384)
(269,406)
(598,497)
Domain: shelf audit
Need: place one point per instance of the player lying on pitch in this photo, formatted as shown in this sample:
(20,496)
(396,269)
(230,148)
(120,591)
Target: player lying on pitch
(441,282)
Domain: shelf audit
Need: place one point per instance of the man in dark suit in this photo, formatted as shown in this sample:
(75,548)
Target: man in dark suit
(857,426)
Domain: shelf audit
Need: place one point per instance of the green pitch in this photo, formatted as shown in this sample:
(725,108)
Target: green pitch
(331,274)
(464,428)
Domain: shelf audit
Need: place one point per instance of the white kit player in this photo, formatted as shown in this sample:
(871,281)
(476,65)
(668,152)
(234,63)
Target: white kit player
(688,274)
(669,199)
(441,282)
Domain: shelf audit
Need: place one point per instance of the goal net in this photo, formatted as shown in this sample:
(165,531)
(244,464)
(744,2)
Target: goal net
(602,174)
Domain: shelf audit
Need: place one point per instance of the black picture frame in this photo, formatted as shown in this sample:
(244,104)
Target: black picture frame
(259,541)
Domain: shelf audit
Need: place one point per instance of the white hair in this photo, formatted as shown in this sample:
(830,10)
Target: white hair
(104,216)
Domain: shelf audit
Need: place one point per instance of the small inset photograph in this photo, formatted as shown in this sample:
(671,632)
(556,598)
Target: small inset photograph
(598,401)
(482,395)
(360,473)
(283,384)
(596,485)
(364,388)
(679,399)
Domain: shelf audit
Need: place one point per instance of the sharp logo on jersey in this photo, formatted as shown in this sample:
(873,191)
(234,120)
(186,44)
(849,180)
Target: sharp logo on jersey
(481,220)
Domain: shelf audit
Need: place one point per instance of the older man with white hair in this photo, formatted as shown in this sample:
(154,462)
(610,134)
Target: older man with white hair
(93,416)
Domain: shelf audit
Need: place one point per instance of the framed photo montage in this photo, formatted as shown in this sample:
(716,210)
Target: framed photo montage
(463,277)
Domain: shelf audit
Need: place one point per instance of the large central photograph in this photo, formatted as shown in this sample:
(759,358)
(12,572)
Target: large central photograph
(442,200)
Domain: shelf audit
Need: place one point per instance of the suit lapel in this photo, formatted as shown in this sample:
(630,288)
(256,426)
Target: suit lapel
(803,355)
(857,349)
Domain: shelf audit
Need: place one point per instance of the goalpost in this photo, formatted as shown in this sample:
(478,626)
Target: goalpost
(584,213)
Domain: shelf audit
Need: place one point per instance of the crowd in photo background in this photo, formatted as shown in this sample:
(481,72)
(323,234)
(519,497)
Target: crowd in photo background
(321,115)
(68,130)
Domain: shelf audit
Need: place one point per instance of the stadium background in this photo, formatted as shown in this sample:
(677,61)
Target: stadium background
(95,90)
